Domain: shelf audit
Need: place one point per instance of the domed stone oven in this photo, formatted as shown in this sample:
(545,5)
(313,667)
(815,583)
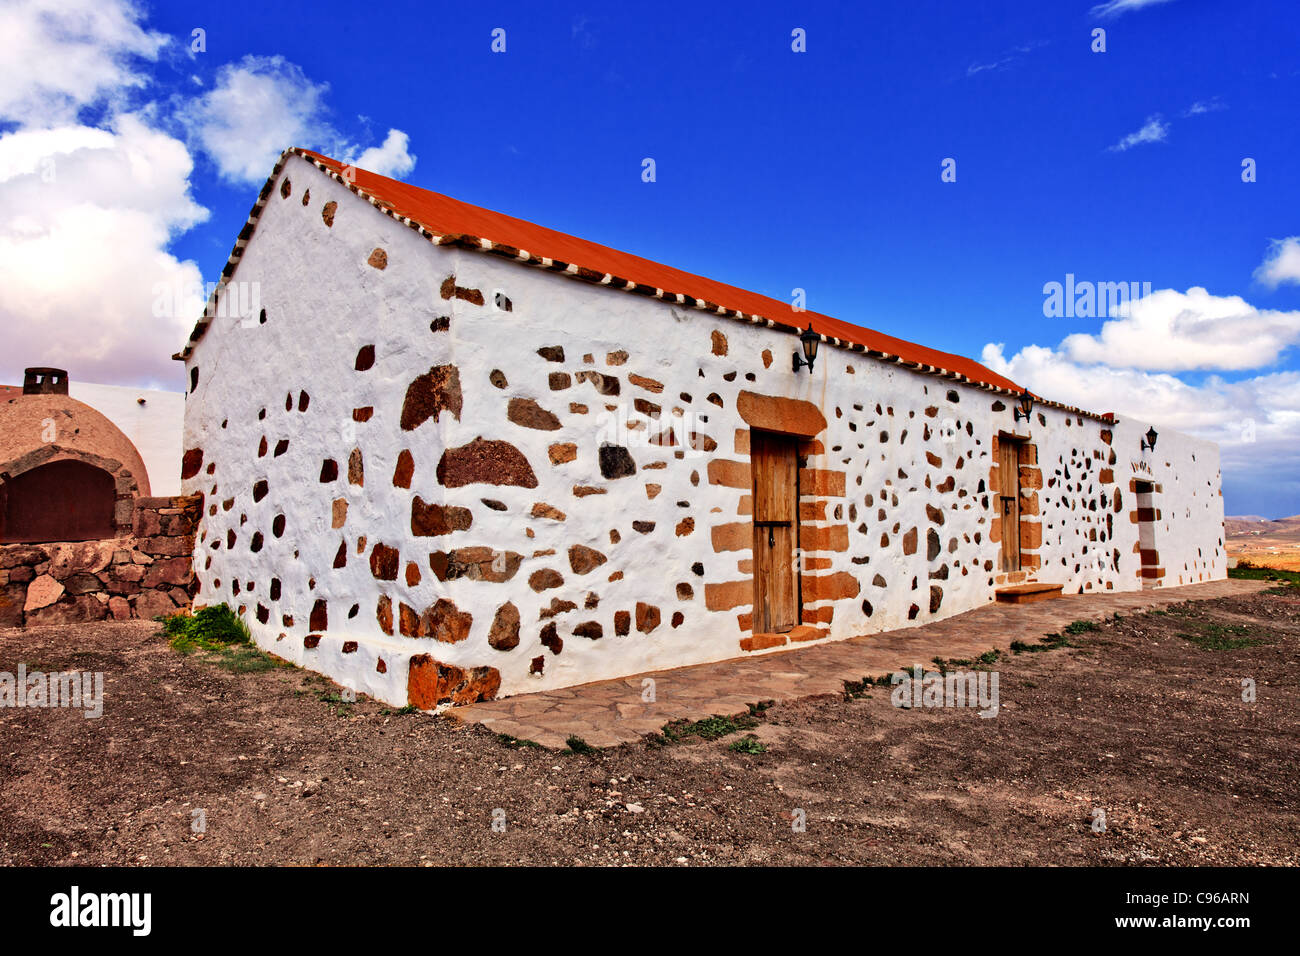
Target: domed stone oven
(67,473)
(80,537)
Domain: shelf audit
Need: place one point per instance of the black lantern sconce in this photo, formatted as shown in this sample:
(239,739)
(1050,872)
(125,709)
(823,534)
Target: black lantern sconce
(810,340)
(1024,405)
(1149,443)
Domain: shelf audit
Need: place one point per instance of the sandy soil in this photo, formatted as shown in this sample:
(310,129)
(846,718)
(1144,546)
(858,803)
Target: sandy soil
(1134,720)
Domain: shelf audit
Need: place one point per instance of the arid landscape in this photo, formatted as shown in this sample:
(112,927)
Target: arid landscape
(1264,543)
(1140,718)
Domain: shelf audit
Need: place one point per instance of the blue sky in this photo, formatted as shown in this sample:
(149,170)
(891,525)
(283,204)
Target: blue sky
(775,170)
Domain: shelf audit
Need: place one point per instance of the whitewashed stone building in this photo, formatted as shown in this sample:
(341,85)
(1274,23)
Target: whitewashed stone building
(451,455)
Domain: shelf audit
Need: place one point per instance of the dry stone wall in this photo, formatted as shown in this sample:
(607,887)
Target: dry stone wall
(143,573)
(440,476)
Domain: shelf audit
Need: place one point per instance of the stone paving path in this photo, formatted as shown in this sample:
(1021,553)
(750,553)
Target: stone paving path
(608,713)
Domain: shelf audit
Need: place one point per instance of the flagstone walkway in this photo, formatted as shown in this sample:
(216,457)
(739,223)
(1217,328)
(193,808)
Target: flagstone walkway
(608,713)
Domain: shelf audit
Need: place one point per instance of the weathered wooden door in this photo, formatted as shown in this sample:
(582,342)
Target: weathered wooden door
(1009,501)
(774,463)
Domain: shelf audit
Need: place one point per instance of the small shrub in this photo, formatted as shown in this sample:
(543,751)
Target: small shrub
(1219,637)
(710,728)
(579,746)
(1051,642)
(212,628)
(1080,627)
(748,744)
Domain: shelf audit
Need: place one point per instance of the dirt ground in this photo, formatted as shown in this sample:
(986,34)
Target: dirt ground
(1134,720)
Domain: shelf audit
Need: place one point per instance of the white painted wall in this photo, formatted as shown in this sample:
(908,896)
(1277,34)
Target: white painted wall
(324,303)
(155,427)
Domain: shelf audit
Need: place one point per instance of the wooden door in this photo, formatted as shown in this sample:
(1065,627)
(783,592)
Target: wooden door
(774,463)
(1009,501)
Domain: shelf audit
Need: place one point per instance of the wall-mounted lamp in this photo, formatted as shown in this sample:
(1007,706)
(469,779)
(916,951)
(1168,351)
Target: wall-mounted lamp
(1149,443)
(810,340)
(1024,405)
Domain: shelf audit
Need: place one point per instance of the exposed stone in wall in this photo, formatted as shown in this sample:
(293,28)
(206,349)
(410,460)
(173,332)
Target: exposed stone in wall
(485,462)
(430,394)
(504,635)
(616,462)
(478,563)
(431,683)
(528,414)
(432,520)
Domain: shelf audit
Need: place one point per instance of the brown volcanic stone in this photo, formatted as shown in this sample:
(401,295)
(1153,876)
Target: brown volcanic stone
(542,510)
(445,622)
(485,462)
(647,617)
(356,468)
(475,564)
(557,607)
(430,683)
(404,471)
(504,635)
(649,384)
(790,416)
(562,452)
(384,562)
(432,520)
(408,622)
(545,578)
(551,639)
(719,342)
(191,462)
(365,358)
(604,384)
(584,560)
(909,542)
(589,629)
(378,259)
(622,623)
(432,393)
(528,414)
(320,620)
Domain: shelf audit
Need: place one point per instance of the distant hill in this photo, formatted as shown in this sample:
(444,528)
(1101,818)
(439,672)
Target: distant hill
(1256,525)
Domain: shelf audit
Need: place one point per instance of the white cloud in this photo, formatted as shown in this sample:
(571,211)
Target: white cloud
(88,217)
(89,211)
(1113,8)
(1255,420)
(255,110)
(392,158)
(61,56)
(1213,105)
(262,105)
(1154,130)
(1282,264)
(1182,331)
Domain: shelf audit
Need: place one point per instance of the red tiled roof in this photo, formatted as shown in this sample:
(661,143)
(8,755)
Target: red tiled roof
(446,216)
(447,221)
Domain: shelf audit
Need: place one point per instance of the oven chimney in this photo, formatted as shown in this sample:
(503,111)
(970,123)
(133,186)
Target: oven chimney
(45,381)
